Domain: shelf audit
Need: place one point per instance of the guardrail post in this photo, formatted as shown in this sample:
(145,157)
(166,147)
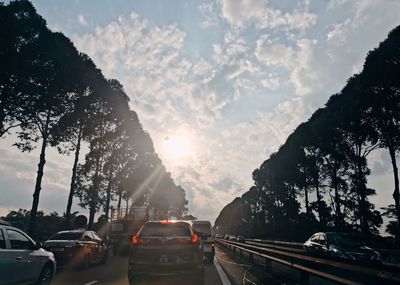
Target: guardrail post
(251,258)
(234,250)
(240,253)
(304,278)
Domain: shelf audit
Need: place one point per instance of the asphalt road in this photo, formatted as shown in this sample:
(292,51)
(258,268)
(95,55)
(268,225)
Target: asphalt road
(115,273)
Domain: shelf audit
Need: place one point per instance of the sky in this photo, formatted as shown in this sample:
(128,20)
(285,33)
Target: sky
(225,81)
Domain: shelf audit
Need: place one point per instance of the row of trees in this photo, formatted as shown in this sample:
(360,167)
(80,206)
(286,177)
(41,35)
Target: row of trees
(51,95)
(323,166)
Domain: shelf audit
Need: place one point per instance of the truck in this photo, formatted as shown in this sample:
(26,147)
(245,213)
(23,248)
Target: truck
(124,223)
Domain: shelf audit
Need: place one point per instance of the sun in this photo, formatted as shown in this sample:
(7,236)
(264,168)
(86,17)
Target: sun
(178,147)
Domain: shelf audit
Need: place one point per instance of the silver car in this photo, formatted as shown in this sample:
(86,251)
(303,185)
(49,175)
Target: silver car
(23,261)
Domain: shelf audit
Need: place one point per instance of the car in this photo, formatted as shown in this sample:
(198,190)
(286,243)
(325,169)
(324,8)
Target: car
(218,236)
(341,246)
(232,238)
(165,249)
(240,239)
(226,237)
(77,248)
(204,230)
(22,260)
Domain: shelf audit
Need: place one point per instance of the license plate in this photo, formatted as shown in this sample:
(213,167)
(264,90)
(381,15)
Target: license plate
(163,259)
(57,249)
(207,248)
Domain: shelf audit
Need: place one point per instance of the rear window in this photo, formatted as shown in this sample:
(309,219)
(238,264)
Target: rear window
(66,236)
(165,230)
(203,229)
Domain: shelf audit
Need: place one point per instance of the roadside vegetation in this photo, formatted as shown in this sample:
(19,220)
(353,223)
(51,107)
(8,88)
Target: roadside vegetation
(53,96)
(317,180)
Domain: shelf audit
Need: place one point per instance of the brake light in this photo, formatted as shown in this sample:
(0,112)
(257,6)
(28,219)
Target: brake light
(135,240)
(195,238)
(166,222)
(213,244)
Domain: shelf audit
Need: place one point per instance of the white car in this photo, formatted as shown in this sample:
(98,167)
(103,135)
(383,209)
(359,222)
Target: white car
(23,261)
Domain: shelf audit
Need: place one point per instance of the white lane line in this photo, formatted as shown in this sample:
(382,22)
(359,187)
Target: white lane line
(221,272)
(91,283)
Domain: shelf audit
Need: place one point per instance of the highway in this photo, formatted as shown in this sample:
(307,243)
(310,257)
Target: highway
(115,273)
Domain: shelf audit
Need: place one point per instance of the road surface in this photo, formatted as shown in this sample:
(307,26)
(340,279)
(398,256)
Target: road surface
(115,273)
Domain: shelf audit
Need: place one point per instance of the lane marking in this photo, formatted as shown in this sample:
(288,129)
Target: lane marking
(91,283)
(221,273)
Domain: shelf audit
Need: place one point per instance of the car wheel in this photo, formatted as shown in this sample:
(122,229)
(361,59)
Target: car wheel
(86,262)
(46,275)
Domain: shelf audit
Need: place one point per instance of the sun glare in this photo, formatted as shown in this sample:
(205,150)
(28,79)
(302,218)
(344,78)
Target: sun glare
(177,147)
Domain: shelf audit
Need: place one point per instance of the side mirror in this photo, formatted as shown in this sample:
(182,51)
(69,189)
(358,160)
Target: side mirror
(38,245)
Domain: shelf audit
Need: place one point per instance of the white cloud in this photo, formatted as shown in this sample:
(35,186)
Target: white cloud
(82,21)
(210,16)
(338,33)
(244,12)
(271,83)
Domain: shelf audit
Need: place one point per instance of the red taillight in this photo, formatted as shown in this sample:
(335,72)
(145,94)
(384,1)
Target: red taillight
(213,244)
(135,240)
(195,238)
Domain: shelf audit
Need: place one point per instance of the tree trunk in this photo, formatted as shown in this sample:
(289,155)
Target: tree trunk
(338,214)
(73,178)
(306,200)
(396,192)
(108,199)
(93,192)
(318,203)
(362,200)
(38,185)
(119,203)
(92,212)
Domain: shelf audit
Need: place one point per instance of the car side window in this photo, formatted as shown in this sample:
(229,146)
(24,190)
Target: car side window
(314,238)
(87,236)
(96,237)
(322,239)
(18,240)
(2,240)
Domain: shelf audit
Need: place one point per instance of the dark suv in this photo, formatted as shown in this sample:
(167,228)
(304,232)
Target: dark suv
(166,248)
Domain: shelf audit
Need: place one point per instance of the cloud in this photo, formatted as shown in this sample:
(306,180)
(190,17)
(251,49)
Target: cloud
(271,83)
(82,21)
(210,16)
(242,13)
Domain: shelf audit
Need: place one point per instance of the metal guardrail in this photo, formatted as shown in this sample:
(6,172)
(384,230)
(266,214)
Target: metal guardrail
(304,264)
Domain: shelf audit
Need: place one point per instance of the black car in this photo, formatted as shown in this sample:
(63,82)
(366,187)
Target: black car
(164,249)
(77,247)
(341,246)
(204,230)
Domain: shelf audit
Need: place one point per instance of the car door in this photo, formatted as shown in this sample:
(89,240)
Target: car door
(323,244)
(27,265)
(101,245)
(7,261)
(92,246)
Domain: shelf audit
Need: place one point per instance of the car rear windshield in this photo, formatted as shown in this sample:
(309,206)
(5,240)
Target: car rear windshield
(66,236)
(203,229)
(165,230)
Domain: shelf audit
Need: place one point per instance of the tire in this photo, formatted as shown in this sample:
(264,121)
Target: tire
(46,275)
(86,262)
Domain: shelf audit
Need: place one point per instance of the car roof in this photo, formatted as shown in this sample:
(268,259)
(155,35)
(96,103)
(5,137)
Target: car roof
(168,221)
(201,223)
(79,231)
